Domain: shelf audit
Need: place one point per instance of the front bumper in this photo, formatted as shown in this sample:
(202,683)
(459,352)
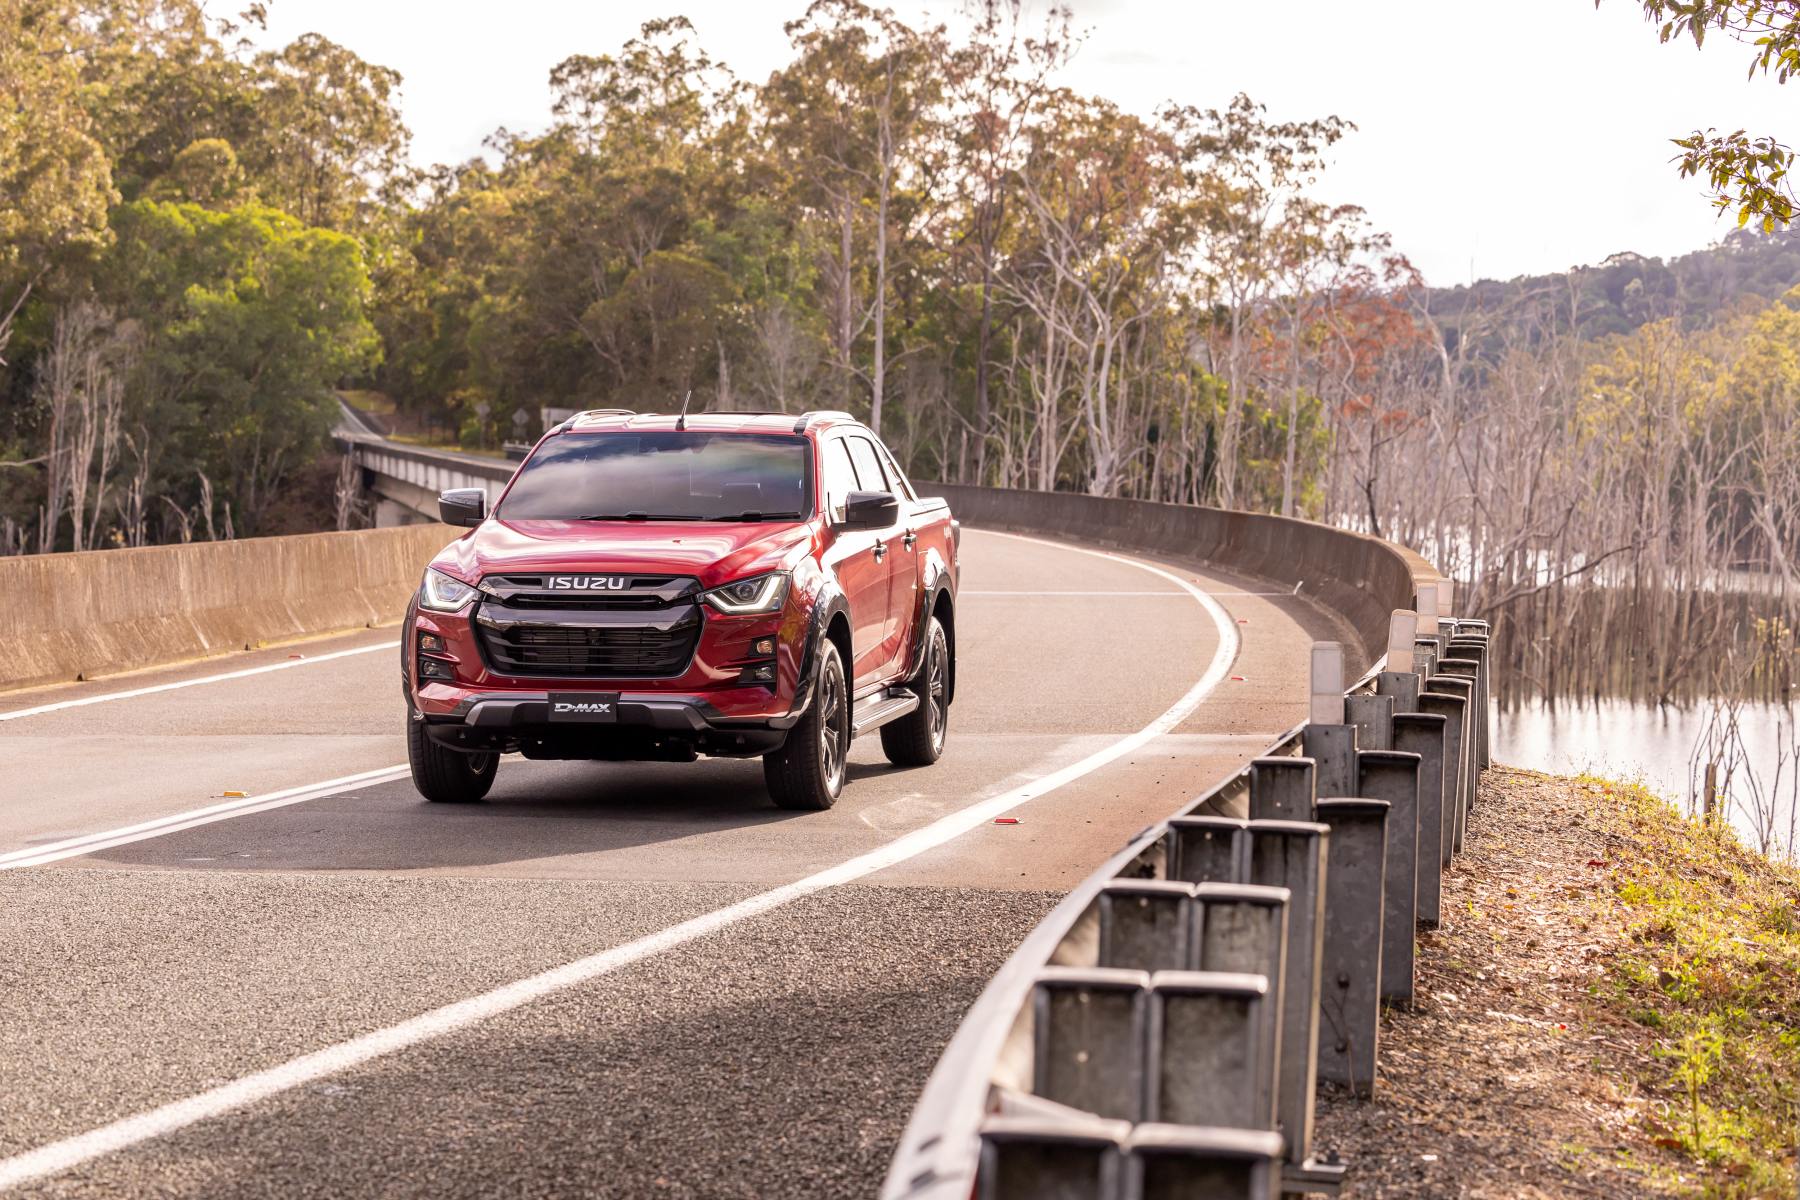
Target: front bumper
(681,714)
(647,727)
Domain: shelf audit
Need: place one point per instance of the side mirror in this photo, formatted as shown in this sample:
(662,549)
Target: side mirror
(462,506)
(870,510)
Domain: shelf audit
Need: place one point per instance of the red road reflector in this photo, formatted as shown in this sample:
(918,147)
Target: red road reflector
(1006,820)
(237,794)
(1237,679)
(1243,620)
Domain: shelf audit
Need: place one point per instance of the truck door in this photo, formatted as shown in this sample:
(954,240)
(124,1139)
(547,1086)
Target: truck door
(858,558)
(900,558)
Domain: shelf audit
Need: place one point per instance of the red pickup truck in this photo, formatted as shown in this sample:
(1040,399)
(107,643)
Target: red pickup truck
(659,587)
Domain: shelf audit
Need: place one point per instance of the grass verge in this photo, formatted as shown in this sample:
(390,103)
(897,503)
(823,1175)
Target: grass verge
(1708,965)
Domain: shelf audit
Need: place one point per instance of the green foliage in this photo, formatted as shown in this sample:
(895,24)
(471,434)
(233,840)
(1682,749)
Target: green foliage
(1748,172)
(1712,965)
(248,317)
(178,215)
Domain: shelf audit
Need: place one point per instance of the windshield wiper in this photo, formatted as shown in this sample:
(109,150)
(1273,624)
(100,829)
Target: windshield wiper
(638,516)
(755,515)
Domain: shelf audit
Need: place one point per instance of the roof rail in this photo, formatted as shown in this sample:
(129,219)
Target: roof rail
(592,412)
(806,417)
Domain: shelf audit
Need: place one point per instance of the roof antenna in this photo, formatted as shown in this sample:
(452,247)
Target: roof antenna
(681,421)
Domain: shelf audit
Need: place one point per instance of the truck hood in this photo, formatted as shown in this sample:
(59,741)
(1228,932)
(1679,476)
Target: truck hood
(715,552)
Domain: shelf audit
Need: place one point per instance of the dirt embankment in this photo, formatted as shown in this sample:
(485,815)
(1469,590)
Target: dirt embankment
(1611,1008)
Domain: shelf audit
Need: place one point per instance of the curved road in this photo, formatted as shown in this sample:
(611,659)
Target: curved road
(617,980)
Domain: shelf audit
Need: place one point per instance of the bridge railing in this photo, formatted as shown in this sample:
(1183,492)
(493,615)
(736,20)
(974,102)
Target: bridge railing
(1164,1030)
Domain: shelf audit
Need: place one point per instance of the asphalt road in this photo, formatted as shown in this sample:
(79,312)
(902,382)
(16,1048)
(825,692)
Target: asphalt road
(257,1005)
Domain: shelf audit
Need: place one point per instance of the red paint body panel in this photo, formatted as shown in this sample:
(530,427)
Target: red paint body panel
(883,592)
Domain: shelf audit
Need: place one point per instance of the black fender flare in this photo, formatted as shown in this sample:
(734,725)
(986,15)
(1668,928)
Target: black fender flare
(934,582)
(829,603)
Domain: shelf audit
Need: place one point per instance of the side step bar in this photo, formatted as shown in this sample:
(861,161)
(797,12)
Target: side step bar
(881,708)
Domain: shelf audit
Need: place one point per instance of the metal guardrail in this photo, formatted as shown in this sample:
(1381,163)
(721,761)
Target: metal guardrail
(1163,1031)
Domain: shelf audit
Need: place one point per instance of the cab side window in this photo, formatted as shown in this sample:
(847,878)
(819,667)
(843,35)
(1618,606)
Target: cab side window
(840,478)
(902,485)
(868,466)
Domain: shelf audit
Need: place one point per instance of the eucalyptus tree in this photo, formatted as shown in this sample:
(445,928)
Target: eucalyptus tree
(1242,169)
(1000,78)
(853,113)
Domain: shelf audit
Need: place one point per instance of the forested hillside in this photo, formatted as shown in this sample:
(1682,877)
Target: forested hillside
(1746,270)
(1017,284)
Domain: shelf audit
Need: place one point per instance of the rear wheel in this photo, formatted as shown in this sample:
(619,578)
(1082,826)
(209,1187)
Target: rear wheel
(808,771)
(447,776)
(917,739)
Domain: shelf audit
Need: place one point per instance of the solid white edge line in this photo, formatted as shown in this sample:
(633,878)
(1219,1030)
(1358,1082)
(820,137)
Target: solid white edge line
(249,1089)
(82,701)
(87,843)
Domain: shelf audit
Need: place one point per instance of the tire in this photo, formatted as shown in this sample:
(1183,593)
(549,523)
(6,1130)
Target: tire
(446,776)
(807,773)
(917,739)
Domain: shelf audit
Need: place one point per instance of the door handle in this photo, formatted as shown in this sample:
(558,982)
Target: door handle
(910,540)
(880,551)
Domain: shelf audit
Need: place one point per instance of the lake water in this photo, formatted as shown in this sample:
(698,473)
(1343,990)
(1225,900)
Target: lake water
(1650,745)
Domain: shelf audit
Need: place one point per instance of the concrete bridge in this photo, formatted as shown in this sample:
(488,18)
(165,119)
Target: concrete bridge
(404,481)
(296,976)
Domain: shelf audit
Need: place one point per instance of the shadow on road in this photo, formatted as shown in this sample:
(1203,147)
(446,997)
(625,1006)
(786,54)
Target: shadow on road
(536,810)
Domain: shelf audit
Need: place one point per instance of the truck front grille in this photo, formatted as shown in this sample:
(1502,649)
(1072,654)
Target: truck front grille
(604,652)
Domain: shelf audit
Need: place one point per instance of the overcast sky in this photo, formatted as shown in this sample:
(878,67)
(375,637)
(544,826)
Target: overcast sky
(1495,139)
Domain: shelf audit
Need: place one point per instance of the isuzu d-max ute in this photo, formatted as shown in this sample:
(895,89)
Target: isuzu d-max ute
(659,587)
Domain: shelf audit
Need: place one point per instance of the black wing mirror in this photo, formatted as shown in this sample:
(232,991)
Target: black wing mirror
(870,510)
(462,506)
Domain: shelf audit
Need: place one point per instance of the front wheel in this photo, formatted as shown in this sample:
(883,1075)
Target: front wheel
(443,775)
(808,771)
(917,739)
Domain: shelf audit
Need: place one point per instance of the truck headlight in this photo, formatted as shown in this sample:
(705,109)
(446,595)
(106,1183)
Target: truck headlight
(757,594)
(441,593)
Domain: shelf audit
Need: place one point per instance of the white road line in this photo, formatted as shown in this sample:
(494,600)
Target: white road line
(297,1072)
(308,661)
(88,843)
(973,592)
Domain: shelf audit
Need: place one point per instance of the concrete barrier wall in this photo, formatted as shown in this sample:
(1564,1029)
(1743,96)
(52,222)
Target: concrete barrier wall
(1361,578)
(68,616)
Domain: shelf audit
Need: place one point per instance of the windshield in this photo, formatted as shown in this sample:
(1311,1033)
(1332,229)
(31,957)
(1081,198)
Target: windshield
(663,475)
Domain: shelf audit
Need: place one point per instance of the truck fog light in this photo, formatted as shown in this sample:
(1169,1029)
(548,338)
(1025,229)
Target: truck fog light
(436,668)
(762,674)
(763,647)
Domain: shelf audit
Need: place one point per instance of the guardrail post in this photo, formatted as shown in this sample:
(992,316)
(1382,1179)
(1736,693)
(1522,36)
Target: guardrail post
(1291,855)
(1350,982)
(1453,709)
(1400,680)
(1462,685)
(1423,734)
(1244,930)
(1208,849)
(1373,717)
(1475,649)
(1024,1158)
(1326,739)
(1425,656)
(1173,1162)
(1088,1039)
(1453,663)
(1394,776)
(1281,789)
(1147,925)
(1209,1064)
